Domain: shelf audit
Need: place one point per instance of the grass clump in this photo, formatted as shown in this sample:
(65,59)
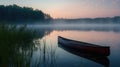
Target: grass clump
(15,34)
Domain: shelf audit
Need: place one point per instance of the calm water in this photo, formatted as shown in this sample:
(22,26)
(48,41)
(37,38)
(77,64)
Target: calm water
(106,35)
(47,53)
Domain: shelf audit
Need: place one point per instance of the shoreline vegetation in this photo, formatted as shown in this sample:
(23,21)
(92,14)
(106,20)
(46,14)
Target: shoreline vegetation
(16,13)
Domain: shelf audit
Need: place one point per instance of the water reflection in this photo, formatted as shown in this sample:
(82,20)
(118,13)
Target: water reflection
(103,60)
(46,55)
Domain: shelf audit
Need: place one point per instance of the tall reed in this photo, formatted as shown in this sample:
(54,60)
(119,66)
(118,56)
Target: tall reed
(16,45)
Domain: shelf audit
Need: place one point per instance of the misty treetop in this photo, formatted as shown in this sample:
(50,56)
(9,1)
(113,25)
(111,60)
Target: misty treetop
(17,13)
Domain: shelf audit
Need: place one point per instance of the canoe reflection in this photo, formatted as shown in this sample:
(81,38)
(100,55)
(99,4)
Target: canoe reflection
(103,60)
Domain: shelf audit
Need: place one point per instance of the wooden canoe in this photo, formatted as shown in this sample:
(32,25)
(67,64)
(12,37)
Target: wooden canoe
(84,47)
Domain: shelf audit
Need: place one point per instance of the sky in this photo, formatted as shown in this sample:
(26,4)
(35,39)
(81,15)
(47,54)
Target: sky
(71,8)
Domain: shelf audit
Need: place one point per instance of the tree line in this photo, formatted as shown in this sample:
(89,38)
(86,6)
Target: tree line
(17,13)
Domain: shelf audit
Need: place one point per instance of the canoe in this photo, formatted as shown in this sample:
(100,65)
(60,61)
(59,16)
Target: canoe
(84,47)
(103,60)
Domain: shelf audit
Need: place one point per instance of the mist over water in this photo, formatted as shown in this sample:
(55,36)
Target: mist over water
(114,27)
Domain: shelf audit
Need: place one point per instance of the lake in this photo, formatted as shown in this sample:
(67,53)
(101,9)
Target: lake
(101,34)
(48,53)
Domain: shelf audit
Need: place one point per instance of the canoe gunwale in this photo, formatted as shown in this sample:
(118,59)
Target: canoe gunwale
(88,44)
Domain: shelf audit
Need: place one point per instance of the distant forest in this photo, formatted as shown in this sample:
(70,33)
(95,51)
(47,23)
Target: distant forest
(115,19)
(17,13)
